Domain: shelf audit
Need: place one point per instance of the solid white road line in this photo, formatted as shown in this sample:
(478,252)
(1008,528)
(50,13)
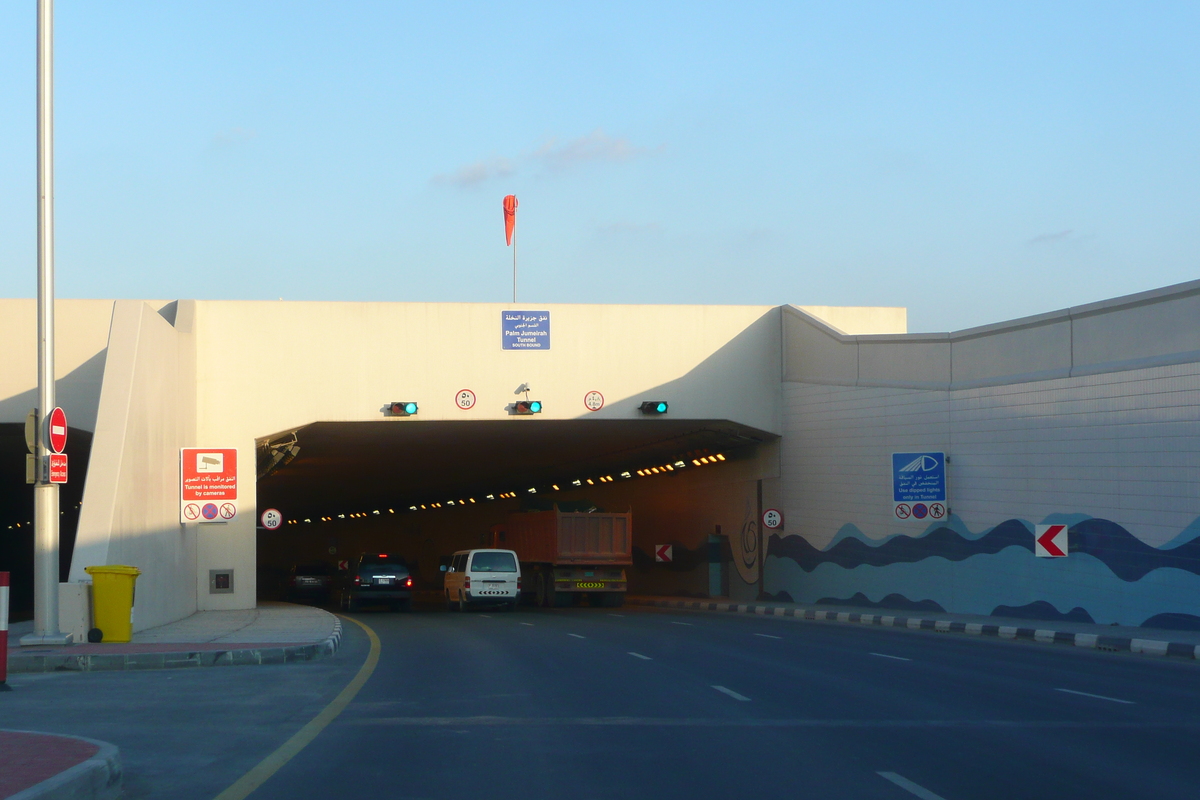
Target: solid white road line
(908,786)
(768,636)
(639,655)
(530,624)
(576,635)
(732,694)
(673,622)
(897,658)
(1097,696)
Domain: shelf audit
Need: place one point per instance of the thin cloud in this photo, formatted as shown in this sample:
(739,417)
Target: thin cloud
(595,146)
(233,137)
(554,156)
(1047,238)
(480,171)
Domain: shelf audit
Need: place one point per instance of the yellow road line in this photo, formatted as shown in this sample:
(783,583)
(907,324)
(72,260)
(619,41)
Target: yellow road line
(288,750)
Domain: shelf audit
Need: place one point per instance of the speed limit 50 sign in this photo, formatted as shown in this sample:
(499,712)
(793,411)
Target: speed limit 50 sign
(772,519)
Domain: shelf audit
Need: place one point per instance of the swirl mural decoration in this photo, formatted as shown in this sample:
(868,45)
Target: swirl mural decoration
(746,551)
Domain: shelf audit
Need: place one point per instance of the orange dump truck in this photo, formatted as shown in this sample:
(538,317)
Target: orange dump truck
(565,556)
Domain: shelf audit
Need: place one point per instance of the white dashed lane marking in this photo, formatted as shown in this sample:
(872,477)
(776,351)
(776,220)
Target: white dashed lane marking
(639,655)
(673,622)
(488,616)
(895,658)
(768,636)
(530,624)
(910,787)
(1097,696)
(576,635)
(732,693)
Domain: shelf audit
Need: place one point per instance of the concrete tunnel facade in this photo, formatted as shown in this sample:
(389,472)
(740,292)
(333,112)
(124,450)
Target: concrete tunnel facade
(1088,417)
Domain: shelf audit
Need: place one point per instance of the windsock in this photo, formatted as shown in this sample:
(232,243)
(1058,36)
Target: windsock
(510,217)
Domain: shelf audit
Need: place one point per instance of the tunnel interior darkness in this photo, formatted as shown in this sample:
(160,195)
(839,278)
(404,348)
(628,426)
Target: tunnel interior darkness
(423,487)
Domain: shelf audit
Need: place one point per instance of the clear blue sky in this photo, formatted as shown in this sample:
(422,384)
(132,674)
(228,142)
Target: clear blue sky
(974,162)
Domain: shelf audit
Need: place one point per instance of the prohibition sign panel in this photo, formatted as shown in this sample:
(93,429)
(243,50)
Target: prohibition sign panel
(272,519)
(593,401)
(465,399)
(772,519)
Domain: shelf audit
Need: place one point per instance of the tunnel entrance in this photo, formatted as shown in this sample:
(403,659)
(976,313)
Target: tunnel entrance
(423,489)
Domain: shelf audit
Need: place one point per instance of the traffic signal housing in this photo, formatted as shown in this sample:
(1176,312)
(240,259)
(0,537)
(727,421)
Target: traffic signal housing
(403,408)
(525,407)
(653,407)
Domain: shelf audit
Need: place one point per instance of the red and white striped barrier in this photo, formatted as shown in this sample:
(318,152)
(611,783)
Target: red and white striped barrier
(3,631)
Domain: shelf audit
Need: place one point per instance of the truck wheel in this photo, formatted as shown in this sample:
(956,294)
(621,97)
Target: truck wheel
(545,590)
(462,602)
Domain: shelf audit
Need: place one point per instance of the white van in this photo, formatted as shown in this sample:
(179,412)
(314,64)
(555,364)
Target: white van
(478,577)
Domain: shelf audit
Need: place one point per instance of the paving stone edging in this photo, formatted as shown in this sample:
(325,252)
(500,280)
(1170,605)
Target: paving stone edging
(1152,647)
(235,656)
(98,778)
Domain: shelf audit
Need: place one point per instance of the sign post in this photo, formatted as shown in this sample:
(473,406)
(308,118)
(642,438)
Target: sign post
(45,493)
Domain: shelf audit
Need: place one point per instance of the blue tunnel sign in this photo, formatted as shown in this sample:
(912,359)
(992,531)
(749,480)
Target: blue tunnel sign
(919,485)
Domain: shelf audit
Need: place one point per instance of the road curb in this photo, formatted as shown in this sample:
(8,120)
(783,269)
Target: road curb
(235,656)
(98,778)
(1152,647)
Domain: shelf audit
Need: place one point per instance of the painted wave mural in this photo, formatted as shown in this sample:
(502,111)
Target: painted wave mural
(1110,576)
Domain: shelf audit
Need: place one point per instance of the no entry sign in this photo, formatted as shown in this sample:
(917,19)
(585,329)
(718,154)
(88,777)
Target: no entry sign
(57,426)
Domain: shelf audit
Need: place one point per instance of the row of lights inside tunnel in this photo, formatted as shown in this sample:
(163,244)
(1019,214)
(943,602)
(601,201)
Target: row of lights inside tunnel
(578,482)
(30,522)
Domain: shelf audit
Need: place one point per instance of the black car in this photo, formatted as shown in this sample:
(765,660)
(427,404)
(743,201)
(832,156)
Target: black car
(310,583)
(377,579)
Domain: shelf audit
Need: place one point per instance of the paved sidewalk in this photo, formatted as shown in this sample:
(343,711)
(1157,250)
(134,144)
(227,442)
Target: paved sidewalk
(273,633)
(1147,641)
(38,765)
(41,765)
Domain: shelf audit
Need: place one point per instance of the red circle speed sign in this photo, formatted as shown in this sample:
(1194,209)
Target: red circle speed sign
(58,430)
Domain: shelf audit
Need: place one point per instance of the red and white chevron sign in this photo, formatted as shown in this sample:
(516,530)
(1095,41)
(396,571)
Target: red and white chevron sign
(663,552)
(1050,541)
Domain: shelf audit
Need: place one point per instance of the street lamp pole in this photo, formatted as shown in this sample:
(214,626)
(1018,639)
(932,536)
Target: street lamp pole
(45,494)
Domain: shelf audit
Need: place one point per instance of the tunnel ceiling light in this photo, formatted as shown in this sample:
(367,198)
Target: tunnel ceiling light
(491,497)
(532,490)
(471,499)
(341,516)
(591,482)
(577,483)
(695,462)
(680,464)
(626,474)
(720,457)
(554,486)
(403,408)
(653,407)
(376,511)
(308,520)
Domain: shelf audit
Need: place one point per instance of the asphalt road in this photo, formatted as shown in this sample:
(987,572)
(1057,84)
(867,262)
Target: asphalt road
(584,704)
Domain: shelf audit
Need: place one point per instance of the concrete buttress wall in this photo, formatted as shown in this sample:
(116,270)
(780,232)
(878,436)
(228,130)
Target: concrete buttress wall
(147,411)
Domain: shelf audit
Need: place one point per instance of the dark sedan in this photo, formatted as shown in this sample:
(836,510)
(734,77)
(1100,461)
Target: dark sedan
(377,579)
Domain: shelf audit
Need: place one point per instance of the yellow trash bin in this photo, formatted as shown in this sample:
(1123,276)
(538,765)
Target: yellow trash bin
(112,600)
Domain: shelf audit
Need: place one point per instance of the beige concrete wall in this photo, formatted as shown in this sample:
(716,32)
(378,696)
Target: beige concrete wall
(1134,332)
(855,320)
(130,512)
(81,328)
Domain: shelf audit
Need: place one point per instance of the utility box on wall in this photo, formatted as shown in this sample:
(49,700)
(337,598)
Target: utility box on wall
(75,610)
(220,581)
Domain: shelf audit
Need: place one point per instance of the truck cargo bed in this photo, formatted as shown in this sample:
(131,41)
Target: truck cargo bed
(558,537)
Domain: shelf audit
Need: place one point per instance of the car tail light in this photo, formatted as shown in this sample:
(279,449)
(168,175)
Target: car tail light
(518,584)
(467,583)
(357,580)
(408,582)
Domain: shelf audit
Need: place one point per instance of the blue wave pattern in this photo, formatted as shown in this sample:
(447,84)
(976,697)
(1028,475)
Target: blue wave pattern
(1110,576)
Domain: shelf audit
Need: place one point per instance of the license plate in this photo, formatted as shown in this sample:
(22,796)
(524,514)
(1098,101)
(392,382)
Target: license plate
(383,581)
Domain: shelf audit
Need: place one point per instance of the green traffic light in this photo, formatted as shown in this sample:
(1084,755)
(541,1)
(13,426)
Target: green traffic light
(410,408)
(535,407)
(661,408)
